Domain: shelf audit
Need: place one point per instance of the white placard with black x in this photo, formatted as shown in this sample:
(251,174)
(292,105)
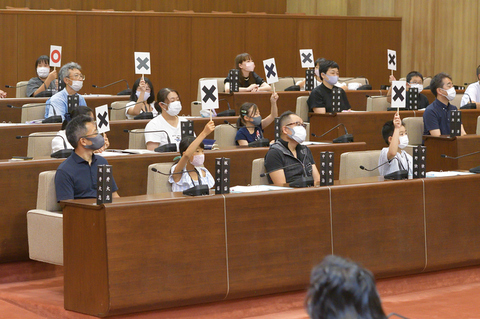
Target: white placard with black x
(209,94)
(270,70)
(101,115)
(142,63)
(306,57)
(399,94)
(392,60)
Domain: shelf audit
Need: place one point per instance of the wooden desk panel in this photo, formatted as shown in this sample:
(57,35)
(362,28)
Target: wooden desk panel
(275,243)
(452,221)
(382,232)
(458,146)
(15,115)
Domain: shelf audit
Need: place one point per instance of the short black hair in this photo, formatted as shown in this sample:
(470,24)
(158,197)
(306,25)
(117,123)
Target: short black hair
(478,71)
(185,143)
(42,58)
(79,110)
(437,82)
(340,288)
(133,95)
(319,61)
(282,120)
(77,128)
(388,129)
(412,74)
(162,96)
(325,65)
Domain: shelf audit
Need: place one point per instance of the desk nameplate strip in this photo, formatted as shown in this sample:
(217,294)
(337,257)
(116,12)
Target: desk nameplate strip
(226,244)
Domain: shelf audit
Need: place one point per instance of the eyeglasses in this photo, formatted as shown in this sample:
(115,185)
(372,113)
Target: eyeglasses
(297,124)
(88,135)
(78,77)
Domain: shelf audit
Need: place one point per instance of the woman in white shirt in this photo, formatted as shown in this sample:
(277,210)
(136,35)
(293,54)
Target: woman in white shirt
(169,106)
(142,90)
(189,169)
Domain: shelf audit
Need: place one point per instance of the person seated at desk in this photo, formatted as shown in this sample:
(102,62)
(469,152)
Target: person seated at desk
(71,73)
(472,93)
(287,159)
(321,98)
(249,81)
(317,81)
(395,135)
(76,177)
(436,118)
(3,94)
(250,123)
(45,84)
(58,142)
(340,288)
(186,172)
(142,91)
(168,106)
(414,80)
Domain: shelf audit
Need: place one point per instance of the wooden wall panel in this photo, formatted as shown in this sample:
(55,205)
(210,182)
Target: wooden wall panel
(105,46)
(328,45)
(275,39)
(33,44)
(9,49)
(332,7)
(367,44)
(306,6)
(370,8)
(170,45)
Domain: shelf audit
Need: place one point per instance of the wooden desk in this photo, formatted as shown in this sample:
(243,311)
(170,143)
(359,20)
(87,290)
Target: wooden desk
(19,184)
(457,146)
(15,115)
(151,252)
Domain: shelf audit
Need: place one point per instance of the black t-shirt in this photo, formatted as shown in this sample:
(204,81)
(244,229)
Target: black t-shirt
(245,82)
(422,101)
(321,96)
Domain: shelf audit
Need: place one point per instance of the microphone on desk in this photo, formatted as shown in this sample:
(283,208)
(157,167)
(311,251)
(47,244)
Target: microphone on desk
(229,112)
(124,92)
(141,116)
(15,87)
(228,123)
(170,147)
(346,138)
(304,181)
(400,174)
(52,119)
(475,170)
(196,190)
(58,154)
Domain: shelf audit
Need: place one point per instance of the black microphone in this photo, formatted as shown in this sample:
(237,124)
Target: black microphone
(170,147)
(14,87)
(124,92)
(304,181)
(261,142)
(400,174)
(196,190)
(228,112)
(347,138)
(58,154)
(141,116)
(228,123)
(475,170)
(52,119)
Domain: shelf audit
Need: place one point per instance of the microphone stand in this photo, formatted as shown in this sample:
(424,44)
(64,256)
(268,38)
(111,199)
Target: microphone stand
(66,152)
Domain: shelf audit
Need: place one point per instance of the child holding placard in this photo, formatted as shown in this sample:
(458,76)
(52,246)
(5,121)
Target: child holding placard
(45,83)
(395,135)
(250,124)
(249,81)
(187,171)
(142,91)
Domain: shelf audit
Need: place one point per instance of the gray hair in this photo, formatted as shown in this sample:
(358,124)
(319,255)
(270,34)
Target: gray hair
(65,70)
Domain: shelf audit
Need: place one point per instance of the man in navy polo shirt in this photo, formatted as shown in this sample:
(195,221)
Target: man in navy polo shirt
(436,118)
(76,177)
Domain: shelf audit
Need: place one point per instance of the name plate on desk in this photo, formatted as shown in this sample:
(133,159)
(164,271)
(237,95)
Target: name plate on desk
(104,184)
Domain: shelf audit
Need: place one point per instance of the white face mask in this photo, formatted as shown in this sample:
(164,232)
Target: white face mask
(417,86)
(403,141)
(174,108)
(299,133)
(198,160)
(331,79)
(249,66)
(43,71)
(451,93)
(146,95)
(76,85)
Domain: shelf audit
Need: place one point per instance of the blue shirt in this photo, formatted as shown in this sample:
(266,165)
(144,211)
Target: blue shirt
(244,134)
(75,178)
(437,116)
(60,102)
